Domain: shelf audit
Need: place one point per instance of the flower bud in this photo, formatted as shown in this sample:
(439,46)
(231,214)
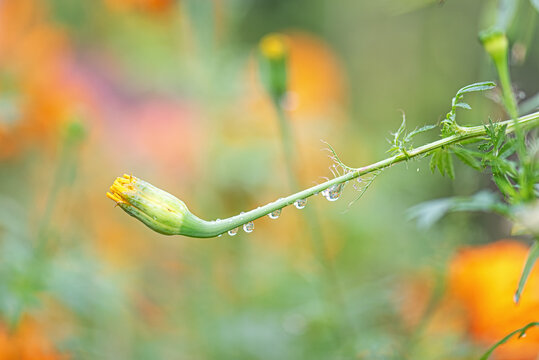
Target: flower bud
(159,210)
(273,46)
(273,65)
(495,43)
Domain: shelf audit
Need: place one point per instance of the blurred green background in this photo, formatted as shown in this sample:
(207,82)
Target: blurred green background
(169,91)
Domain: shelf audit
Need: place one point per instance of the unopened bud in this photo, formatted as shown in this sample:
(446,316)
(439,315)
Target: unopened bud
(159,210)
(495,43)
(273,64)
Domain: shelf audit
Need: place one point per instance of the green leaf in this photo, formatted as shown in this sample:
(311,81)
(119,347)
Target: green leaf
(463,105)
(430,212)
(497,135)
(530,261)
(521,332)
(418,131)
(531,103)
(501,166)
(503,184)
(400,132)
(448,164)
(449,125)
(440,162)
(434,160)
(490,128)
(480,86)
(507,149)
(401,140)
(466,157)
(500,135)
(441,159)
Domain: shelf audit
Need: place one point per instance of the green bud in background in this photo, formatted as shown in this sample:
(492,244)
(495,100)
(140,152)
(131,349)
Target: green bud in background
(496,45)
(75,130)
(273,50)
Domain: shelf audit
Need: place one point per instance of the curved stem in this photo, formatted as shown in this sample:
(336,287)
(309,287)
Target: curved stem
(214,228)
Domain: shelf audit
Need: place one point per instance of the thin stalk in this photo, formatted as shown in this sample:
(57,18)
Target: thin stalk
(66,164)
(286,139)
(497,46)
(509,100)
(508,96)
(214,228)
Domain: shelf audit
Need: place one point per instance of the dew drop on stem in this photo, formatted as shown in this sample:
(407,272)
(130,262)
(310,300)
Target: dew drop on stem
(275,214)
(233,232)
(333,192)
(249,227)
(300,203)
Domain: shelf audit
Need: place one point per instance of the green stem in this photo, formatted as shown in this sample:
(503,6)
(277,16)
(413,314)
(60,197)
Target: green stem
(214,228)
(511,105)
(286,138)
(505,82)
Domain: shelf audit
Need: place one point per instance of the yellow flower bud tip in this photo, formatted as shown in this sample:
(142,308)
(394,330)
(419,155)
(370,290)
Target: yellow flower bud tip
(122,188)
(115,198)
(156,208)
(273,46)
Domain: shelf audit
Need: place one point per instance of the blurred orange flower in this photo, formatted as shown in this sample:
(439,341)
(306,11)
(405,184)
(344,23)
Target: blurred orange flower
(483,280)
(315,101)
(316,80)
(32,52)
(151,6)
(28,342)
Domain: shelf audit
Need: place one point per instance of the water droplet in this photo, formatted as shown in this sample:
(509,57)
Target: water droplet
(275,214)
(219,235)
(233,232)
(333,192)
(249,227)
(300,204)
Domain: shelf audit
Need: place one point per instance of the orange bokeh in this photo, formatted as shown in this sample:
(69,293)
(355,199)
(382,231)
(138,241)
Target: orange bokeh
(478,301)
(315,102)
(32,52)
(483,279)
(151,6)
(317,81)
(27,342)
